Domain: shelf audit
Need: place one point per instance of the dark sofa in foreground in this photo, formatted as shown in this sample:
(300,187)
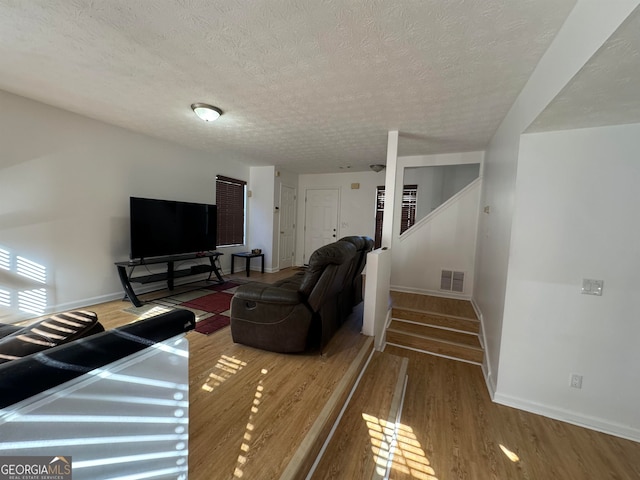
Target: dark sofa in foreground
(20,341)
(306,309)
(53,366)
(116,402)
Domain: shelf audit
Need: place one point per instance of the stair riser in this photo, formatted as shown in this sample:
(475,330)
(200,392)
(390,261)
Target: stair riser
(471,326)
(435,346)
(466,339)
(433,304)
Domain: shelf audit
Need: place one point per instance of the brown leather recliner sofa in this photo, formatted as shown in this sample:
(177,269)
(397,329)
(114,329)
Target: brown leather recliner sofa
(351,294)
(304,310)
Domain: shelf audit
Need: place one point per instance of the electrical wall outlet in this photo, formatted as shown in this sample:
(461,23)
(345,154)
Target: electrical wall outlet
(592,287)
(576,380)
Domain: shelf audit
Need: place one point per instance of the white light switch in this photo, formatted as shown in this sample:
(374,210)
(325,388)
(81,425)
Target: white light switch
(592,287)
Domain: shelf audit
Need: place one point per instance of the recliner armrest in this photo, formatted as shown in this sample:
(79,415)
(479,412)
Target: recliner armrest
(265,293)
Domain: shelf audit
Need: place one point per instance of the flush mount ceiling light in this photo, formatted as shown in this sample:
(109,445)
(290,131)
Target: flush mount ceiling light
(206,112)
(378,167)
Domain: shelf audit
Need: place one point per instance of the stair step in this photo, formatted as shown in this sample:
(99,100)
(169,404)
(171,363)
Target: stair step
(434,345)
(359,447)
(468,339)
(470,325)
(429,303)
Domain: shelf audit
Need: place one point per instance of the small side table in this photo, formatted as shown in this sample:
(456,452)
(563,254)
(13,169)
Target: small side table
(247,259)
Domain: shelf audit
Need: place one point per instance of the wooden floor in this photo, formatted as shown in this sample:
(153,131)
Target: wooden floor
(450,429)
(361,443)
(249,410)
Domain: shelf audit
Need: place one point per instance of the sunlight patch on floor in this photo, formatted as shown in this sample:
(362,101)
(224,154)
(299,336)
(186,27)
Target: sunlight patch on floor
(152,312)
(407,453)
(510,455)
(244,447)
(225,367)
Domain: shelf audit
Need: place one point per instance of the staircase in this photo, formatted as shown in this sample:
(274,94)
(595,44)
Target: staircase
(439,326)
(356,433)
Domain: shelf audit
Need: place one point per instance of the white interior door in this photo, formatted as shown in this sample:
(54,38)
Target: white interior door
(287,245)
(321,219)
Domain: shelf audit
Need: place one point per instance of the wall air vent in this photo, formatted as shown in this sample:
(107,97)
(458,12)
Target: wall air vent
(452,281)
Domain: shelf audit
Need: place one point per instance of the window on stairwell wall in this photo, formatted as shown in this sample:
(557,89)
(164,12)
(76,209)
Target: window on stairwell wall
(408,215)
(435,185)
(409,202)
(230,203)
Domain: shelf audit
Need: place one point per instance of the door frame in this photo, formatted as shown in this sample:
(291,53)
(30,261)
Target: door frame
(295,216)
(337,191)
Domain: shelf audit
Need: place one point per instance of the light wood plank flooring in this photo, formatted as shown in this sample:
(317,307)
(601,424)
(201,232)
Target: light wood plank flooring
(450,429)
(249,409)
(360,445)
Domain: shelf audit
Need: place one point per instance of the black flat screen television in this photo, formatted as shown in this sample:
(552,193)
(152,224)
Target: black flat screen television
(166,227)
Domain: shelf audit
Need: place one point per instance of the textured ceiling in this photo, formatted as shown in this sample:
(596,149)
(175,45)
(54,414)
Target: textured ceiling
(307,85)
(606,91)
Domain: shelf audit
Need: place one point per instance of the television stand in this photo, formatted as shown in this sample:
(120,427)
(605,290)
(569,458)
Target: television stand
(127,277)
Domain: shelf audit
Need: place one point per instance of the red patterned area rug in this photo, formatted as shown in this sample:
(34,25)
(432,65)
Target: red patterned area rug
(217,302)
(212,324)
(211,305)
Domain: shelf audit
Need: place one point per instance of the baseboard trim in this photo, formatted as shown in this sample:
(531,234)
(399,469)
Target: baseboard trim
(382,341)
(139,289)
(433,293)
(84,303)
(585,421)
(488,380)
(486,364)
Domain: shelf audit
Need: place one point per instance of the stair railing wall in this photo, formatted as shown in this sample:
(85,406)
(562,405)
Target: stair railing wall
(377,302)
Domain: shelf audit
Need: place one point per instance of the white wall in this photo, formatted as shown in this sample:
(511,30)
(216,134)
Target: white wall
(357,208)
(430,187)
(260,223)
(445,239)
(458,177)
(438,184)
(585,30)
(65,187)
(576,217)
(263,223)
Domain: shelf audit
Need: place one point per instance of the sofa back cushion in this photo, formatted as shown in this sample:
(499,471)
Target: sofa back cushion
(363,245)
(320,277)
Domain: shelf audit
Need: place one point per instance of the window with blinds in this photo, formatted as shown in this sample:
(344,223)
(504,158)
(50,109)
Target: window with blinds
(408,215)
(230,195)
(409,203)
(379,216)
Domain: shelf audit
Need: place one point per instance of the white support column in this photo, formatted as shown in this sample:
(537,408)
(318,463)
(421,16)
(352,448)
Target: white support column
(377,303)
(390,188)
